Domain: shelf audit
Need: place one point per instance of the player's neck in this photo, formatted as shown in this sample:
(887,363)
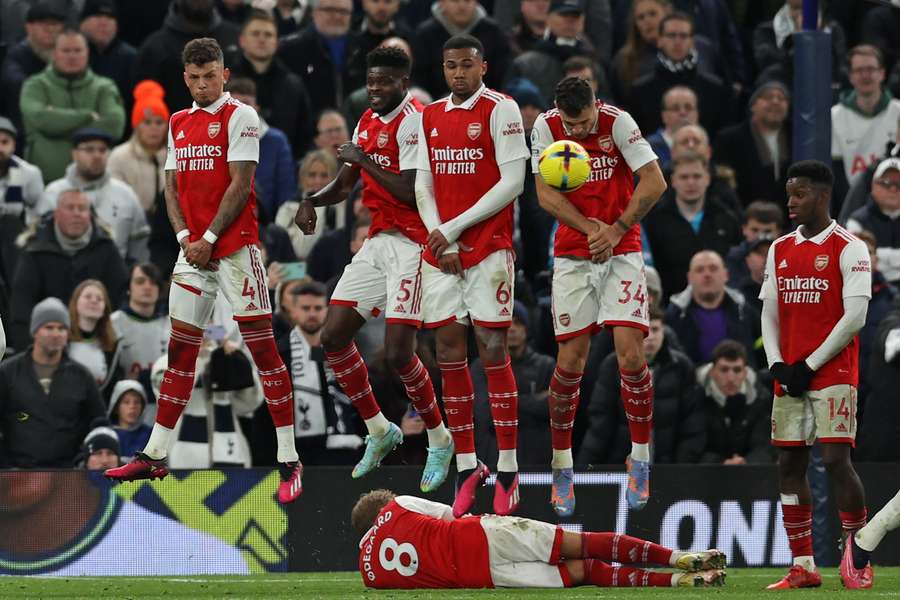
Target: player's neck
(815,227)
(456,99)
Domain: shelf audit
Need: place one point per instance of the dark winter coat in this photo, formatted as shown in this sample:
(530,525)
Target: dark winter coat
(877,433)
(736,148)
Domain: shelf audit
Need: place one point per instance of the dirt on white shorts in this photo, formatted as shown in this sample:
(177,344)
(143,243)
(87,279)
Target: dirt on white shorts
(587,295)
(384,275)
(241,277)
(484,294)
(523,552)
(828,415)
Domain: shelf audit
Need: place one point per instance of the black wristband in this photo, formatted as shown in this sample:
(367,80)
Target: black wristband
(622,224)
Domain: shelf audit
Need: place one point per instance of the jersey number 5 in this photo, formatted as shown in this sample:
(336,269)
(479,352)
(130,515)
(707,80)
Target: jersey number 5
(404,558)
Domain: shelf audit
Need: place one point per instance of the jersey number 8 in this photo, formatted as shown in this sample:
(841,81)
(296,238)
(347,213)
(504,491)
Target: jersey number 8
(396,562)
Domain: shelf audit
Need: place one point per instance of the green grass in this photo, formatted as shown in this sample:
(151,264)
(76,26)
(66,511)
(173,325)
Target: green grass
(742,583)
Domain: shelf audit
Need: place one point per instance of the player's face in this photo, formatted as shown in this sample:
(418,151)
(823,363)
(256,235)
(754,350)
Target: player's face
(654,340)
(102,459)
(753,229)
(259,40)
(464,69)
(806,200)
(7,147)
(729,375)
(51,338)
(142,289)
(90,303)
(886,190)
(385,88)
(90,159)
(581,124)
(308,312)
(206,82)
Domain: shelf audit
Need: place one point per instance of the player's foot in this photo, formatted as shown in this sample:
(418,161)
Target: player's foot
(467,483)
(142,467)
(853,578)
(506,493)
(377,447)
(707,578)
(797,577)
(562,492)
(638,491)
(705,560)
(436,466)
(291,485)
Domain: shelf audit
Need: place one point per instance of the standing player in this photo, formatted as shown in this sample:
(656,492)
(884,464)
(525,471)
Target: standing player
(471,167)
(414,543)
(212,157)
(856,572)
(386,272)
(815,296)
(599,221)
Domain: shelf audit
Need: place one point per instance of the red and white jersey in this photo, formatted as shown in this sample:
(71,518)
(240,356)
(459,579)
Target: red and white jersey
(391,141)
(463,146)
(809,278)
(617,149)
(416,543)
(202,141)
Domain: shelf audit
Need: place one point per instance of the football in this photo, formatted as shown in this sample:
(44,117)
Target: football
(565,165)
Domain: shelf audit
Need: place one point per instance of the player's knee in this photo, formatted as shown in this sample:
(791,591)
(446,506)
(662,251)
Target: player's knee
(333,340)
(791,467)
(631,357)
(398,355)
(836,459)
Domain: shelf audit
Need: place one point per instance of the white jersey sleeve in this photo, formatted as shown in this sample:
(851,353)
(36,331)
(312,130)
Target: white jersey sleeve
(422,160)
(426,507)
(630,141)
(408,140)
(355,137)
(856,269)
(541,137)
(507,132)
(769,290)
(171,163)
(243,135)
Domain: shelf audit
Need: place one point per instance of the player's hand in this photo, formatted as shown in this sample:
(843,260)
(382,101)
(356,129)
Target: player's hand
(598,227)
(437,243)
(306,217)
(350,153)
(794,378)
(604,239)
(198,255)
(450,264)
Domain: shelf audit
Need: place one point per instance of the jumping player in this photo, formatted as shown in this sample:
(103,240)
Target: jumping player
(414,543)
(815,295)
(598,272)
(385,273)
(471,167)
(211,161)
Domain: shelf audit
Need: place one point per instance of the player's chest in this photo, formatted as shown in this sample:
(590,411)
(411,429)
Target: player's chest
(458,129)
(379,142)
(200,144)
(808,268)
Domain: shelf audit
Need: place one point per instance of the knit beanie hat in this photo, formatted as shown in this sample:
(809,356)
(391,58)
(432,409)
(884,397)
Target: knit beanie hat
(49,310)
(148,95)
(99,438)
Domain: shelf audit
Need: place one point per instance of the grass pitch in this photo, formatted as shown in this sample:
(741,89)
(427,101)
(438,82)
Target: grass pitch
(741,584)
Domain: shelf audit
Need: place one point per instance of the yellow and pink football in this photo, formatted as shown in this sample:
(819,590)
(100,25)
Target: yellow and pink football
(565,165)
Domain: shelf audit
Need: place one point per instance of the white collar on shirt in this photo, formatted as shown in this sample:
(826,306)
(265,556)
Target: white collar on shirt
(817,239)
(468,104)
(214,107)
(390,116)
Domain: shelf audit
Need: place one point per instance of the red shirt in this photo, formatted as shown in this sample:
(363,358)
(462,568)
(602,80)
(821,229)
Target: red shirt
(391,141)
(463,145)
(412,546)
(617,149)
(202,141)
(810,278)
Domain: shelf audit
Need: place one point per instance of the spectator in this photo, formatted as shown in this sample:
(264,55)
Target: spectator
(737,407)
(881,216)
(43,22)
(708,311)
(679,108)
(678,427)
(317,169)
(531,24)
(283,99)
(109,56)
(234,11)
(759,149)
(331,131)
(773,41)
(379,23)
(126,406)
(454,17)
(275,175)
(688,219)
(858,194)
(532,372)
(114,202)
(879,28)
(159,57)
(750,283)
(291,16)
(587,69)
(319,54)
(694,139)
(878,429)
(101,449)
(47,400)
(357,102)
(63,98)
(715,25)
(637,57)
(93,341)
(61,251)
(880,305)
(762,220)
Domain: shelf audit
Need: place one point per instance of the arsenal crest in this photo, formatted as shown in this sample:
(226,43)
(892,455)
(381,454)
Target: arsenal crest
(474,130)
(213,129)
(605,142)
(383,139)
(564,319)
(821,262)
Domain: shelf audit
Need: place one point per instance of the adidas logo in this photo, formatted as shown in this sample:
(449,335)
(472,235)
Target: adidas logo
(504,312)
(364,135)
(251,306)
(632,554)
(841,427)
(180,135)
(638,313)
(782,264)
(399,309)
(434,132)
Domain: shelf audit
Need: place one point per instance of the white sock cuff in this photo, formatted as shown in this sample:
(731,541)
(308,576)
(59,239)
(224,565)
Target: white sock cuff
(507,461)
(287,449)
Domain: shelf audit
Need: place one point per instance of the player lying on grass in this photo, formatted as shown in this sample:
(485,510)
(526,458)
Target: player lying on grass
(856,572)
(414,543)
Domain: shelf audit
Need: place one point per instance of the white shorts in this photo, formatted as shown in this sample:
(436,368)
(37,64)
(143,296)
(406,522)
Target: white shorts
(484,293)
(241,277)
(385,273)
(587,296)
(828,415)
(524,553)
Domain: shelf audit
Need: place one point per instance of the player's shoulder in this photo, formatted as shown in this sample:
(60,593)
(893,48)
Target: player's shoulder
(179,115)
(492,95)
(845,238)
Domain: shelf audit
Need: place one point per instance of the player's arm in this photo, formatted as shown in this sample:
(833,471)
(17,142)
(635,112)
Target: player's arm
(170,191)
(335,191)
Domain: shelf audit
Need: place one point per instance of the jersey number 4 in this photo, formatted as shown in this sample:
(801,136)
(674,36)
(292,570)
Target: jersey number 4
(403,557)
(248,291)
(627,296)
(838,409)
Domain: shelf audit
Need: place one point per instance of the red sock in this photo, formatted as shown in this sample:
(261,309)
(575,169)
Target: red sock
(459,396)
(504,398)
(623,549)
(637,398)
(853,520)
(599,573)
(563,400)
(177,383)
(798,525)
(418,386)
(353,376)
(276,383)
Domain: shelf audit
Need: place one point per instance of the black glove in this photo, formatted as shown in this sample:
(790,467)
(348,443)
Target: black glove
(794,378)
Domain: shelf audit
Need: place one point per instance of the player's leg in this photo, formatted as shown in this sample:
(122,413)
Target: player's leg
(593,571)
(625,549)
(864,542)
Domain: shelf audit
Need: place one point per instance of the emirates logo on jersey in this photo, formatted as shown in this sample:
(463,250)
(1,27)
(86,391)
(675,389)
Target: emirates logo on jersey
(383,139)
(473,131)
(605,142)
(213,129)
(821,262)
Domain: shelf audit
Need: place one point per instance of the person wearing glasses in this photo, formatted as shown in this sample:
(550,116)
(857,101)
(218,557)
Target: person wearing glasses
(880,216)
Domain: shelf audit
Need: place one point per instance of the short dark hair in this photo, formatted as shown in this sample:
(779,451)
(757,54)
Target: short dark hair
(259,15)
(150,270)
(573,95)
(201,51)
(676,15)
(579,63)
(764,212)
(814,170)
(729,350)
(463,41)
(390,57)
(242,85)
(67,32)
(655,313)
(310,288)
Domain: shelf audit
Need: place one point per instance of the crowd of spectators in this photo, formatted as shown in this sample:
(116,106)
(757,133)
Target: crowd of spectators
(86,248)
